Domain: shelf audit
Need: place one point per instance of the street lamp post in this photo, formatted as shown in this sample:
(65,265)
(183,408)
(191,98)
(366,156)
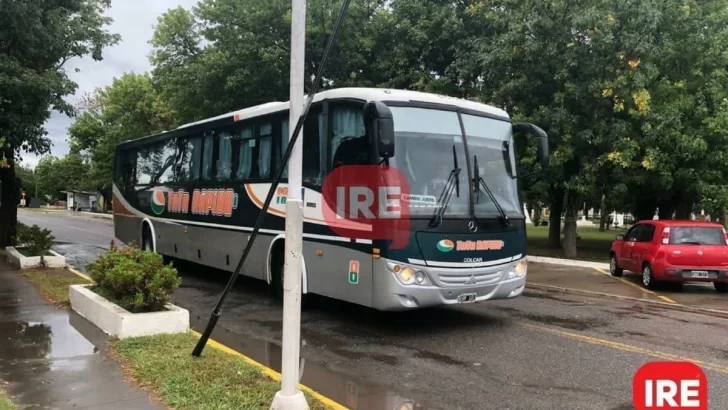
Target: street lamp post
(290,397)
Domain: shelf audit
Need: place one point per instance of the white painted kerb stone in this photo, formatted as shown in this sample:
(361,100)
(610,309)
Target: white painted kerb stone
(24,262)
(119,322)
(568,262)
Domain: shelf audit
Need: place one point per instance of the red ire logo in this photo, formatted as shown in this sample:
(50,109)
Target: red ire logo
(670,385)
(365,202)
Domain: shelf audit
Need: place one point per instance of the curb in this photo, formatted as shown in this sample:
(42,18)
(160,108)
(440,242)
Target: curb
(535,287)
(264,369)
(271,373)
(568,262)
(78,273)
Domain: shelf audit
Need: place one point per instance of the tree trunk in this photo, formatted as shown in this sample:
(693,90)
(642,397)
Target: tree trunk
(10,197)
(603,215)
(537,214)
(644,209)
(667,208)
(572,209)
(557,206)
(683,210)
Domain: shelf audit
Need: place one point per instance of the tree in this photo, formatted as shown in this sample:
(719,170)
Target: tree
(36,40)
(128,109)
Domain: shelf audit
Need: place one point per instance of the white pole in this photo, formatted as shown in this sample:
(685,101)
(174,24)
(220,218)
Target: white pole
(290,397)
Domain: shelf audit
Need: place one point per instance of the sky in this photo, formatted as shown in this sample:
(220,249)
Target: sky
(134,20)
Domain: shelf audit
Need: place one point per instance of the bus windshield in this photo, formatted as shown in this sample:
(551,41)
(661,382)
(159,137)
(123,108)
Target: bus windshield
(425,141)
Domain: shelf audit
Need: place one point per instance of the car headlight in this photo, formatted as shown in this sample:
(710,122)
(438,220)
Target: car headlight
(517,270)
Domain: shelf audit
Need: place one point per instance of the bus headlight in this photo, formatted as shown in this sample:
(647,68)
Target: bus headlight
(517,270)
(421,278)
(407,275)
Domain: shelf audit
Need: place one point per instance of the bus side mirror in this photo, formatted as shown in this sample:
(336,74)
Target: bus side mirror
(380,125)
(542,141)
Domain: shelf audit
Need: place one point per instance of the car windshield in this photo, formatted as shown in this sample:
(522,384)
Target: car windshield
(696,235)
(425,139)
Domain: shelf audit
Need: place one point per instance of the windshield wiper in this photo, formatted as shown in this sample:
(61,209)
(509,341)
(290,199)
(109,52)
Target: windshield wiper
(479,182)
(453,181)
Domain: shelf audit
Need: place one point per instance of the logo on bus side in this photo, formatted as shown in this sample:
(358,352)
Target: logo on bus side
(218,202)
(158,202)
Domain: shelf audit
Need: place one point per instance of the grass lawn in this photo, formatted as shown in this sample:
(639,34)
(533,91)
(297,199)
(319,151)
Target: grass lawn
(217,380)
(53,283)
(593,245)
(5,403)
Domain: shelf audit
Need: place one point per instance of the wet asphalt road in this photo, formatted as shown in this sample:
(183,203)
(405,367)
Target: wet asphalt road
(541,351)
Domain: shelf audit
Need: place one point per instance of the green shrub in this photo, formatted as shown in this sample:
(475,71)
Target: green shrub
(34,240)
(136,280)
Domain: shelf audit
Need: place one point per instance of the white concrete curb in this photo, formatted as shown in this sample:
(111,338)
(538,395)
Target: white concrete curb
(101,216)
(20,261)
(568,262)
(118,322)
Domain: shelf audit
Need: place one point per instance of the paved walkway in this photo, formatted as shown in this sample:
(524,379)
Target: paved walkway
(54,359)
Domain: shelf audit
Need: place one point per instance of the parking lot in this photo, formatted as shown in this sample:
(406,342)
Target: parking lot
(545,350)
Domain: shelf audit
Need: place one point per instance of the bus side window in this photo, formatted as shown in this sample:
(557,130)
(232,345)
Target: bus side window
(312,137)
(207,154)
(265,146)
(246,147)
(224,156)
(347,121)
(189,154)
(126,169)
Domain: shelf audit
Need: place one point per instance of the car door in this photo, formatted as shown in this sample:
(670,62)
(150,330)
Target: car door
(641,248)
(630,239)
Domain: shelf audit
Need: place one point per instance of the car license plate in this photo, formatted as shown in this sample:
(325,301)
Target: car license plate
(700,274)
(467,297)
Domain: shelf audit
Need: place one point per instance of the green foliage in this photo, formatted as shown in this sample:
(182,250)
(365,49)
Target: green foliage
(632,93)
(34,240)
(56,175)
(138,281)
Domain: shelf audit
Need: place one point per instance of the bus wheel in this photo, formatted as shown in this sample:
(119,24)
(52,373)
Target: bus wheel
(147,244)
(276,270)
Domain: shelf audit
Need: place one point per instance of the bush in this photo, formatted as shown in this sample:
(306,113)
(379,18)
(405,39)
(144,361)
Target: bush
(136,280)
(34,240)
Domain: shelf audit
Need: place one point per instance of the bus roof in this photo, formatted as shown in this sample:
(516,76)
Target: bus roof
(365,94)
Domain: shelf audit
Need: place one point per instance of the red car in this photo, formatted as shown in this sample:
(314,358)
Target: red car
(673,251)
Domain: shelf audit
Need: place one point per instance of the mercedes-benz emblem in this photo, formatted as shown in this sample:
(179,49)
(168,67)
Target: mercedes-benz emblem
(473,226)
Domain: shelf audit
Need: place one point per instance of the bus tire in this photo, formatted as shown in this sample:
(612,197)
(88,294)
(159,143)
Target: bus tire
(147,240)
(276,270)
(277,263)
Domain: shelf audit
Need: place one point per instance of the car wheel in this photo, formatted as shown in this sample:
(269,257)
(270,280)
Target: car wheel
(614,268)
(721,287)
(648,280)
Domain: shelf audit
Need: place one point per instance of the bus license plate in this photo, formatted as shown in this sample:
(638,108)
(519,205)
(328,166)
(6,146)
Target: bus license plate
(467,297)
(700,273)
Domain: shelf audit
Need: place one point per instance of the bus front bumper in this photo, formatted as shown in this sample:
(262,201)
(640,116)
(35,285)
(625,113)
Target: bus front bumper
(447,286)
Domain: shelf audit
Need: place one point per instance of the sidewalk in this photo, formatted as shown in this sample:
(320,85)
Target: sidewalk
(55,359)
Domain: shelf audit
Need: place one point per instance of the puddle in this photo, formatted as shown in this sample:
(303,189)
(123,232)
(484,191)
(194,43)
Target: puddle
(575,323)
(348,391)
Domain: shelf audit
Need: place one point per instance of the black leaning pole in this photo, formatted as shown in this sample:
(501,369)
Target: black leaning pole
(217,312)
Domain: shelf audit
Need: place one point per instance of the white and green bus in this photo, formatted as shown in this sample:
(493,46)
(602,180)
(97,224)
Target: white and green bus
(194,193)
